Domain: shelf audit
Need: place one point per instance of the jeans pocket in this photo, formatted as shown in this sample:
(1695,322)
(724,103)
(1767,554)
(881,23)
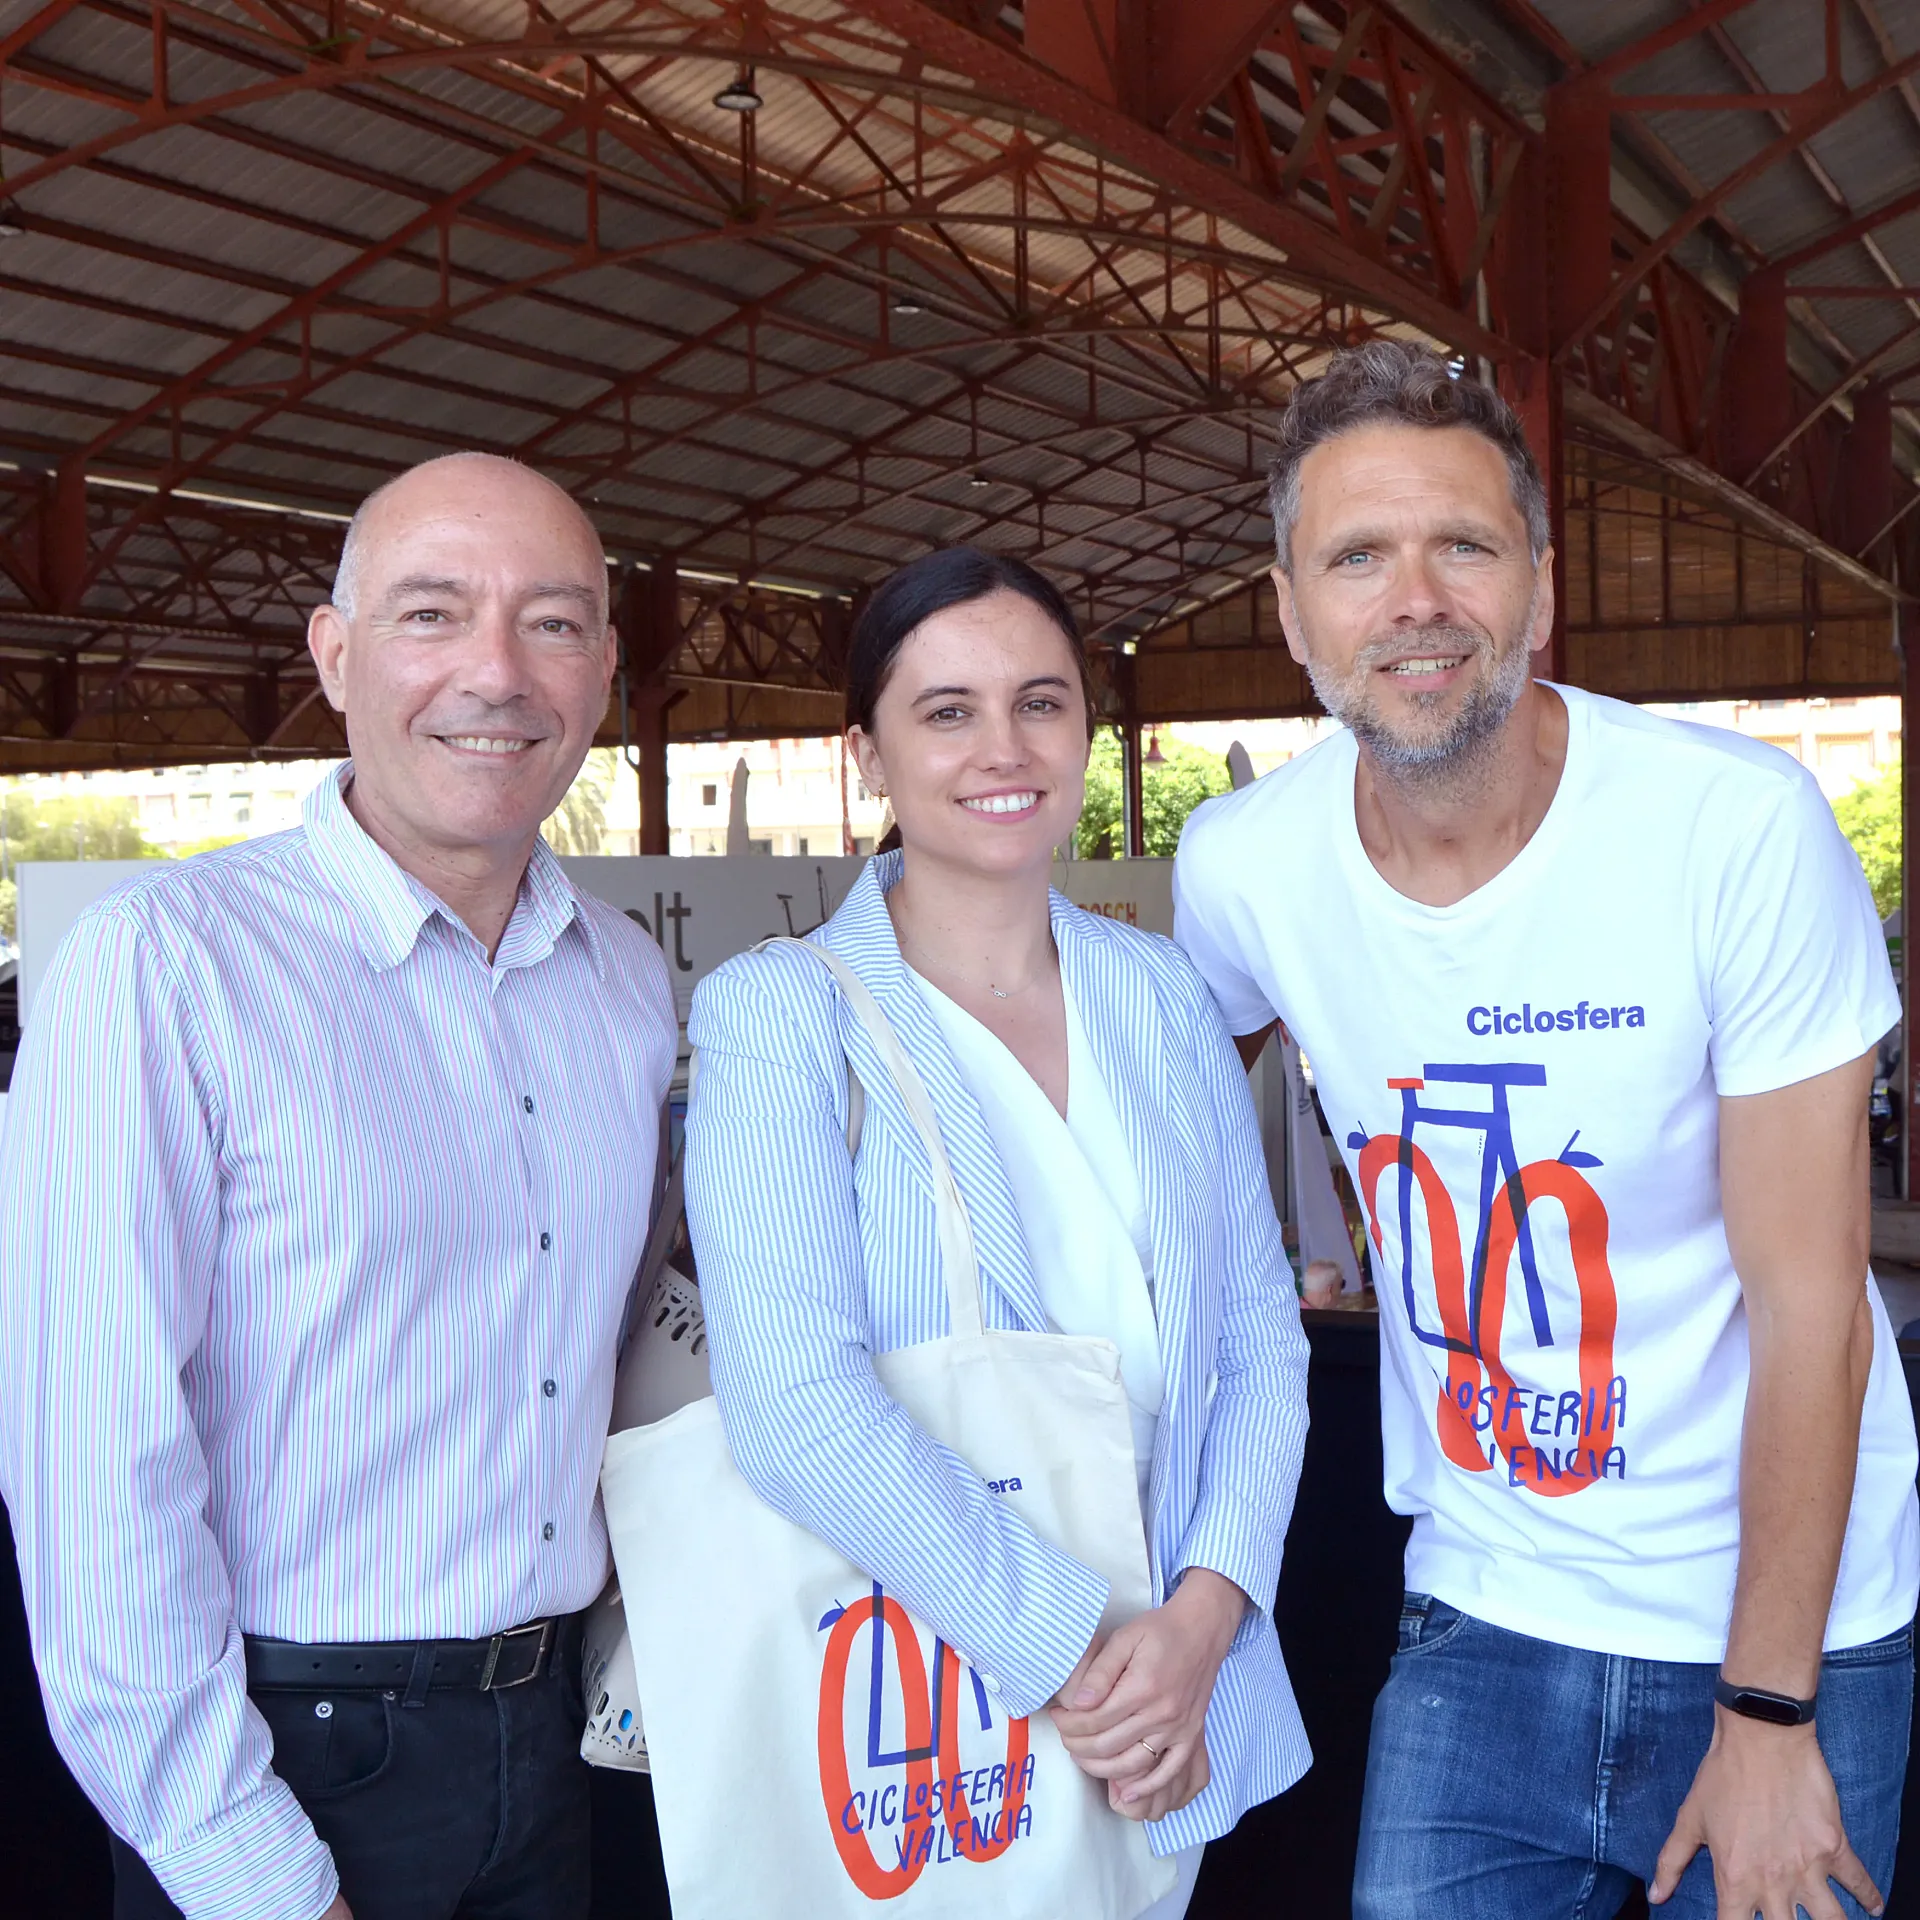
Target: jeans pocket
(1895,1650)
(328,1744)
(1427,1623)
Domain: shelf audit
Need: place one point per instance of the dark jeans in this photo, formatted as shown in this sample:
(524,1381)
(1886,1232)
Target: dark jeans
(471,1806)
(1510,1778)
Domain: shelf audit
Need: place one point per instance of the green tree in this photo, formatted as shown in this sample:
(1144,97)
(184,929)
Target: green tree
(1870,817)
(579,823)
(64,826)
(1171,791)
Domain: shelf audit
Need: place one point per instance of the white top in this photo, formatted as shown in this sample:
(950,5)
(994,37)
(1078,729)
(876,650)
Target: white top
(1079,1199)
(1688,922)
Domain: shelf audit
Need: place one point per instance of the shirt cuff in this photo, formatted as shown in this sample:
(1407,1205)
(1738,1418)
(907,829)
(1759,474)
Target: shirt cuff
(260,1860)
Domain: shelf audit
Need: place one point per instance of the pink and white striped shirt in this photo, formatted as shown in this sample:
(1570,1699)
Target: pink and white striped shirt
(316,1230)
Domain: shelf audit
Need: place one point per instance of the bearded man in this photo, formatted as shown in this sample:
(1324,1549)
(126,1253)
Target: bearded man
(1591,998)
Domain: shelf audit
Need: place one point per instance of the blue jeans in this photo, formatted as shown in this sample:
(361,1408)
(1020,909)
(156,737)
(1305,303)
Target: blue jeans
(1510,1778)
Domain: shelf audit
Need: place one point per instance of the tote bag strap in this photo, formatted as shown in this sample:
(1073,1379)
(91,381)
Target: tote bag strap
(958,1260)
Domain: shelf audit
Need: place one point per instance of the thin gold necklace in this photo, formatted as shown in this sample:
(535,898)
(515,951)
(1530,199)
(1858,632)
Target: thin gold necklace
(999,993)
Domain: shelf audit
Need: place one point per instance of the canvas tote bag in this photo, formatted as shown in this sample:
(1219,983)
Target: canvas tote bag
(816,1750)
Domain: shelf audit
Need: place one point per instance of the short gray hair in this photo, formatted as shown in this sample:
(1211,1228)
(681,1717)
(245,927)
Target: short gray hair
(346,576)
(1405,385)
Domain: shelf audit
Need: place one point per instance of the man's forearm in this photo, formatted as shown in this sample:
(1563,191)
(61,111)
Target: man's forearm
(1798,1450)
(1793,1189)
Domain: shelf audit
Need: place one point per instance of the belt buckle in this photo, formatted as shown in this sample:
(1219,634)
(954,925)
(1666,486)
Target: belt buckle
(544,1628)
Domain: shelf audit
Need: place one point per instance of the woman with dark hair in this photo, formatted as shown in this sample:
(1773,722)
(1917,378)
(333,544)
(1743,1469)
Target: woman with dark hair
(1103,1138)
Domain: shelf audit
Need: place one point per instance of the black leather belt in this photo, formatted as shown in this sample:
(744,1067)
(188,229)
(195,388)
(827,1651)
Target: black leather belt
(412,1667)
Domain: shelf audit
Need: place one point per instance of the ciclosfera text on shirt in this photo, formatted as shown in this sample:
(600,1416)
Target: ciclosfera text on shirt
(1587,1017)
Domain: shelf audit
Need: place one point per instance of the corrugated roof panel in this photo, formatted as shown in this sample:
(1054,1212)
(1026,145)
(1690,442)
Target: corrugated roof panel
(1873,153)
(473,365)
(99,392)
(380,397)
(89,335)
(59,264)
(421,161)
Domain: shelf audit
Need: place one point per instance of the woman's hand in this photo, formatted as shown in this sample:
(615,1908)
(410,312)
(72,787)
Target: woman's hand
(1134,1712)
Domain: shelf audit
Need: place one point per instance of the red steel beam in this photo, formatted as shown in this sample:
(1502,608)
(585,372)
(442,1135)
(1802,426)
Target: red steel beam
(1829,107)
(1857,228)
(1676,33)
(1860,371)
(1007,76)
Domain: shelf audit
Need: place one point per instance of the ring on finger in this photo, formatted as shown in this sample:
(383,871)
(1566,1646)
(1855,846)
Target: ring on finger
(1151,1748)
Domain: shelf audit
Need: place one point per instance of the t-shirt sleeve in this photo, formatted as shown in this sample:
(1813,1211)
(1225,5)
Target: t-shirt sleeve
(1799,981)
(1207,927)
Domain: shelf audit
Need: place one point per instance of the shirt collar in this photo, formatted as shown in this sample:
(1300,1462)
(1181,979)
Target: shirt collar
(388,906)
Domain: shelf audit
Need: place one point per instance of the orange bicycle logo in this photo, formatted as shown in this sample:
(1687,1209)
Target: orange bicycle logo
(1483,1415)
(936,1810)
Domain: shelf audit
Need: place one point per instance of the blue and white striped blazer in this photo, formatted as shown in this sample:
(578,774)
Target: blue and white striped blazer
(810,1263)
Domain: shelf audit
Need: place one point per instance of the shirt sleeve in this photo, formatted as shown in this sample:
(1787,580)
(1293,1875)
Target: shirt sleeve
(109,1226)
(1204,926)
(1798,981)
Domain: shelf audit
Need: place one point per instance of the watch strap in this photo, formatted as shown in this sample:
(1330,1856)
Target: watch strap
(1760,1703)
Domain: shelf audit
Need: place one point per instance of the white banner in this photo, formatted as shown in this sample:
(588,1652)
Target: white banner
(701,910)
(704,910)
(1140,892)
(53,895)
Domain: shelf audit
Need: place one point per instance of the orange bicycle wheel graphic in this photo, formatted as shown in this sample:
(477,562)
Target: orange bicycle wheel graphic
(1458,1440)
(957,1812)
(1476,1364)
(1599,1304)
(886,1617)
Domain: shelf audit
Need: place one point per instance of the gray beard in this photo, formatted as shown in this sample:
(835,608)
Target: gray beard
(1448,760)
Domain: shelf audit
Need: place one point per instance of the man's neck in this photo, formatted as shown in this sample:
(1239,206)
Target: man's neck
(971,929)
(1437,838)
(478,884)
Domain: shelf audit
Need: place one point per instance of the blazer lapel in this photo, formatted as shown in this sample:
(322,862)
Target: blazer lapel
(862,934)
(1122,1017)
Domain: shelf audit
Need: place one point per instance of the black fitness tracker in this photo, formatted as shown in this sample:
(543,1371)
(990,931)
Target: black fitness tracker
(1757,1703)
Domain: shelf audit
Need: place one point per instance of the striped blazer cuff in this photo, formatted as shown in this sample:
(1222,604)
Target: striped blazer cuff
(1054,1639)
(1227,1540)
(260,1860)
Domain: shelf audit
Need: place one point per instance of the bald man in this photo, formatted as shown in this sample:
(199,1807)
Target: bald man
(326,1173)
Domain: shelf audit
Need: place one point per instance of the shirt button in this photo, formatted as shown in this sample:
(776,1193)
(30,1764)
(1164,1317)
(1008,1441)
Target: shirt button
(546,1243)
(546,1532)
(526,1100)
(548,1388)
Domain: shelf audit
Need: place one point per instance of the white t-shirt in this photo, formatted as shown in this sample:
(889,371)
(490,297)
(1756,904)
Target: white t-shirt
(1688,921)
(1078,1195)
